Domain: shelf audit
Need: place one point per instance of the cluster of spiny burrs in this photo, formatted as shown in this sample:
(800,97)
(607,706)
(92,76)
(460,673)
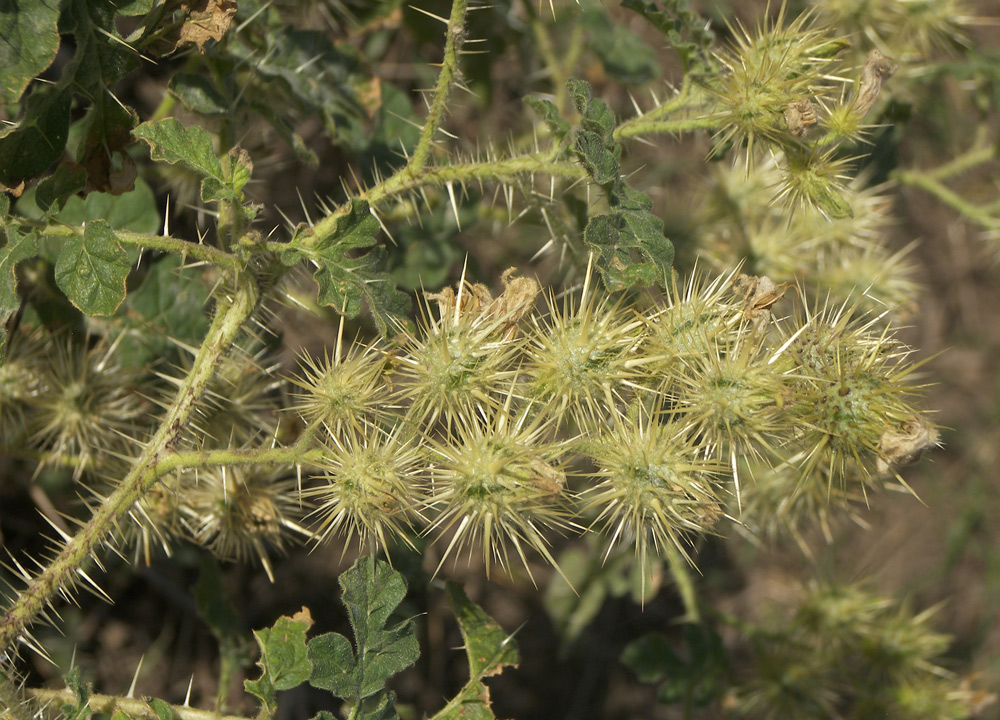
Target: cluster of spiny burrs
(498,424)
(844,651)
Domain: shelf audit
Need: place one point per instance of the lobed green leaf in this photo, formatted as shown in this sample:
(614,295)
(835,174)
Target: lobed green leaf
(629,242)
(192,148)
(549,113)
(284,658)
(371,592)
(92,269)
(488,647)
(346,279)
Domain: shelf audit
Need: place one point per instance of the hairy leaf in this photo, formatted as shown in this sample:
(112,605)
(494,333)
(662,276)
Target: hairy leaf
(629,242)
(92,269)
(18,246)
(284,660)
(29,41)
(488,646)
(193,148)
(549,113)
(80,709)
(162,709)
(345,278)
(371,592)
(39,138)
(596,146)
(489,650)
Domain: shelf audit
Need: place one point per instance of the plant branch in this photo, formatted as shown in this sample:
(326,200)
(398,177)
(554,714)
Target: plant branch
(296,454)
(133,707)
(61,572)
(655,121)
(932,181)
(981,215)
(207,253)
(409,179)
(449,70)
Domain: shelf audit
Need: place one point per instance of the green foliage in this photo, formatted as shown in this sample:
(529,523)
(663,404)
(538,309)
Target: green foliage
(629,242)
(345,279)
(371,591)
(27,46)
(39,138)
(91,270)
(284,659)
(18,246)
(193,148)
(488,649)
(79,708)
(695,678)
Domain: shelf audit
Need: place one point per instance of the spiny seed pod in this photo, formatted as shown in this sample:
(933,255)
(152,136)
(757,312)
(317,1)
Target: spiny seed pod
(370,487)
(846,652)
(767,72)
(730,398)
(782,501)
(240,513)
(88,406)
(498,483)
(463,359)
(921,28)
(816,179)
(583,358)
(876,277)
(654,485)
(342,391)
(849,386)
(695,315)
(20,384)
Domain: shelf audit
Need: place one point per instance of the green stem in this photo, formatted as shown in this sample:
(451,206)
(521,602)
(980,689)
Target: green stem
(685,585)
(449,68)
(295,454)
(932,181)
(61,572)
(207,253)
(965,161)
(665,126)
(928,183)
(410,178)
(133,707)
(655,121)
